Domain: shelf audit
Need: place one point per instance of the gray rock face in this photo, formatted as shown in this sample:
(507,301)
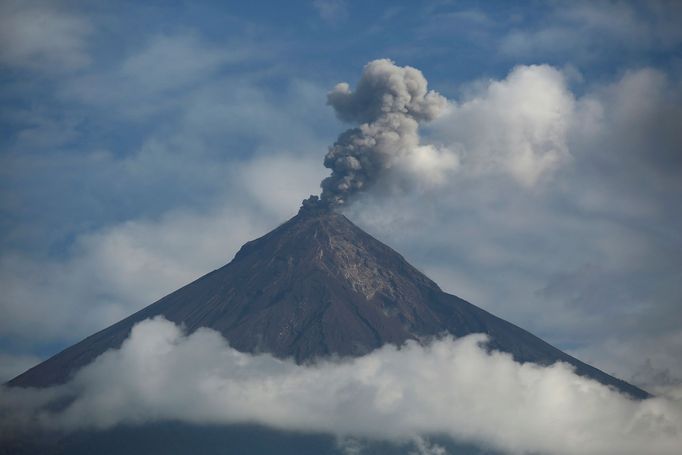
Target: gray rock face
(316,286)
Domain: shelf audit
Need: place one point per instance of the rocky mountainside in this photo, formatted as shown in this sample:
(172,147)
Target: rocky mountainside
(315,286)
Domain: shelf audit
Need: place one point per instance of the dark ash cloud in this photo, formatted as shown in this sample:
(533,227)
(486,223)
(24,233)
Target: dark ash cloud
(389,103)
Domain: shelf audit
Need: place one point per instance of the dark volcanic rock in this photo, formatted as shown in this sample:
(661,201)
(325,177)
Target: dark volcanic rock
(315,286)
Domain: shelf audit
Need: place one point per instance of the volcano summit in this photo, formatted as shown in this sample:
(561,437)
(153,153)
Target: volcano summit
(317,286)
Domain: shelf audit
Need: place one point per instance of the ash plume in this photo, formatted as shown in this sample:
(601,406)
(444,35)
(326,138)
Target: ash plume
(389,103)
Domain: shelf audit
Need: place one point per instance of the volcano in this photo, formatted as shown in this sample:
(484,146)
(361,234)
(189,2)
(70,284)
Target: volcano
(317,286)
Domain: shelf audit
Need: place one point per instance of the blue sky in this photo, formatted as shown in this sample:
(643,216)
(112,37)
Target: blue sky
(144,143)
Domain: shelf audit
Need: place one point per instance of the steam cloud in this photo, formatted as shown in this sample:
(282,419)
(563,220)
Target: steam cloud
(452,387)
(389,102)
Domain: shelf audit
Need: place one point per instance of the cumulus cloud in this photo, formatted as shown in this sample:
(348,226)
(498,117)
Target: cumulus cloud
(389,102)
(42,36)
(453,387)
(516,126)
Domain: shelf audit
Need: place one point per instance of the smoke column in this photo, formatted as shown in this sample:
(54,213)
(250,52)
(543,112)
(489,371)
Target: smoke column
(388,103)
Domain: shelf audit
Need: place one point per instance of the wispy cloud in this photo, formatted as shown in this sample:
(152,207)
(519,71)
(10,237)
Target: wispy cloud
(331,11)
(43,36)
(587,30)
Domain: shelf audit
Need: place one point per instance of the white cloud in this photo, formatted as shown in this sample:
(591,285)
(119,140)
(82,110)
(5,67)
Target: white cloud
(517,126)
(41,36)
(331,11)
(587,31)
(427,166)
(174,61)
(452,387)
(424,447)
(278,183)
